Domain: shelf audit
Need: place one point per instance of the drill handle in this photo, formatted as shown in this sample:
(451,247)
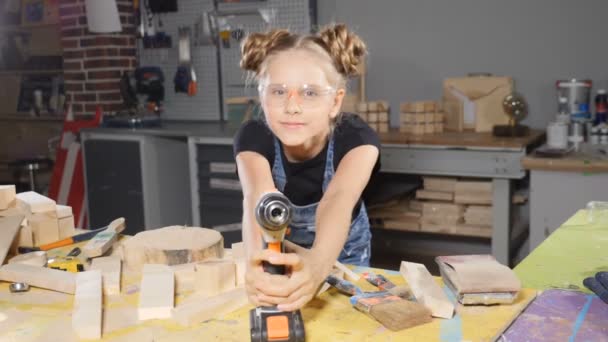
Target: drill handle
(272,268)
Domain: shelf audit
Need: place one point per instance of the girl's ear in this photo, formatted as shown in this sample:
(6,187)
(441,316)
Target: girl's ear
(337,104)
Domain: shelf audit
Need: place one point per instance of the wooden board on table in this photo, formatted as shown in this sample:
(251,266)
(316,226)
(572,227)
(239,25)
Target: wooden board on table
(426,290)
(463,139)
(86,315)
(46,278)
(157,292)
(215,276)
(9,229)
(110,268)
(200,308)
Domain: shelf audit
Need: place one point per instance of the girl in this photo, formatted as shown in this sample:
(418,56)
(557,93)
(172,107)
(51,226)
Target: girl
(319,158)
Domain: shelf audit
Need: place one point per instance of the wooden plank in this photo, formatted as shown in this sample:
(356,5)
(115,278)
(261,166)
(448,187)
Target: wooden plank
(46,278)
(215,277)
(426,290)
(7,196)
(86,315)
(66,227)
(33,202)
(45,229)
(442,208)
(348,273)
(570,163)
(9,228)
(238,256)
(464,139)
(185,277)
(110,267)
(25,237)
(156,292)
(473,187)
(443,184)
(434,195)
(201,308)
(37,258)
(456,229)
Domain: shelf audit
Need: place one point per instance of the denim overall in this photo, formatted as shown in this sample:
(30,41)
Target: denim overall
(357,248)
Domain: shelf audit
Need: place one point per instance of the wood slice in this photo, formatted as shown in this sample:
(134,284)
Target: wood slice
(172,245)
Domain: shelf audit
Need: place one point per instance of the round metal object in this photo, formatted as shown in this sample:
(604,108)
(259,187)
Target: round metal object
(515,106)
(18,287)
(274,211)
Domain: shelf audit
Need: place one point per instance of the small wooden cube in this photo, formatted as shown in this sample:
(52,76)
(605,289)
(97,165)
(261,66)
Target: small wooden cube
(439,127)
(372,107)
(419,106)
(429,128)
(7,196)
(429,106)
(429,117)
(418,129)
(404,129)
(383,127)
(420,118)
(383,117)
(372,117)
(406,107)
(44,228)
(362,107)
(439,117)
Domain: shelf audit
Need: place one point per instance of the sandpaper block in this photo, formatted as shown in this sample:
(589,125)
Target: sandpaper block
(479,279)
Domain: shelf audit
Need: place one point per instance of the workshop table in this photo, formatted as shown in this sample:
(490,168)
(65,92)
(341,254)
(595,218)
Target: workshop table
(466,154)
(41,315)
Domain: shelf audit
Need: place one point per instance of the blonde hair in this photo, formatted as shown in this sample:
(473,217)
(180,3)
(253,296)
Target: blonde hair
(340,47)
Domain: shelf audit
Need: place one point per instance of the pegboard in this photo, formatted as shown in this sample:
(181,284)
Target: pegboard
(179,106)
(291,14)
(207,104)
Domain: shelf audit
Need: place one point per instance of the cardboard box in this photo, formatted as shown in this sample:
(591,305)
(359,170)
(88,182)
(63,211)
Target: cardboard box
(475,103)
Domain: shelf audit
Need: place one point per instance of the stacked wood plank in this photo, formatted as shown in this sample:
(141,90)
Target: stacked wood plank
(456,206)
(376,114)
(44,220)
(421,117)
(396,215)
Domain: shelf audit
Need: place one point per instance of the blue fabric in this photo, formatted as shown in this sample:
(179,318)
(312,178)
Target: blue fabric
(357,249)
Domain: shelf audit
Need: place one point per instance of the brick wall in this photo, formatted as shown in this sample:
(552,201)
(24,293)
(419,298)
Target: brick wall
(93,62)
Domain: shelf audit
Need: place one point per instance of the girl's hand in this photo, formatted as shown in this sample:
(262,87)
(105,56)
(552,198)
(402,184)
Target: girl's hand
(288,292)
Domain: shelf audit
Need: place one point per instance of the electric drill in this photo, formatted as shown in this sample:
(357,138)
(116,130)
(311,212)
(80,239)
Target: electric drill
(273,213)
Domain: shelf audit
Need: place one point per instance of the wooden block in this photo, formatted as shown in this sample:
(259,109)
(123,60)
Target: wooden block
(66,227)
(46,278)
(442,208)
(419,107)
(37,258)
(215,277)
(416,205)
(439,128)
(239,257)
(238,250)
(473,192)
(383,127)
(86,315)
(372,107)
(102,242)
(430,106)
(478,215)
(429,128)
(348,273)
(404,129)
(201,308)
(185,278)
(63,211)
(7,196)
(426,290)
(434,195)
(33,202)
(25,237)
(449,220)
(406,118)
(406,107)
(438,117)
(457,229)
(393,224)
(420,118)
(9,229)
(443,184)
(172,246)
(13,211)
(417,129)
(156,292)
(383,106)
(44,229)
(372,117)
(362,107)
(429,118)
(383,117)
(110,268)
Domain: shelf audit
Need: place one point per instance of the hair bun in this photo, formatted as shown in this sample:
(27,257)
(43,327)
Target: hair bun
(257,46)
(345,48)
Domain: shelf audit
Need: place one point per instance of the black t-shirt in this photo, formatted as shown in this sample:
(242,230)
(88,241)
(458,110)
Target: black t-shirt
(305,179)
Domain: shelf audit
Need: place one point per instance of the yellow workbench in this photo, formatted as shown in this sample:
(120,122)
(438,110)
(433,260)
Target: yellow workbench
(41,315)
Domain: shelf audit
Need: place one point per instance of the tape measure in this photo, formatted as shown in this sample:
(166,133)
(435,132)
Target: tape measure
(66,264)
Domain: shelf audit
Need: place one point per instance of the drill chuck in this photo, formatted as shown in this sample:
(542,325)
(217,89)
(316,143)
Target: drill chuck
(274,211)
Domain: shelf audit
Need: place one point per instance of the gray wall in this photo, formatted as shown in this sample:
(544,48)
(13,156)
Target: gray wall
(414,45)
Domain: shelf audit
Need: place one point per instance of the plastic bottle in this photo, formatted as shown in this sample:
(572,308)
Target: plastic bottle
(563,113)
(601,107)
